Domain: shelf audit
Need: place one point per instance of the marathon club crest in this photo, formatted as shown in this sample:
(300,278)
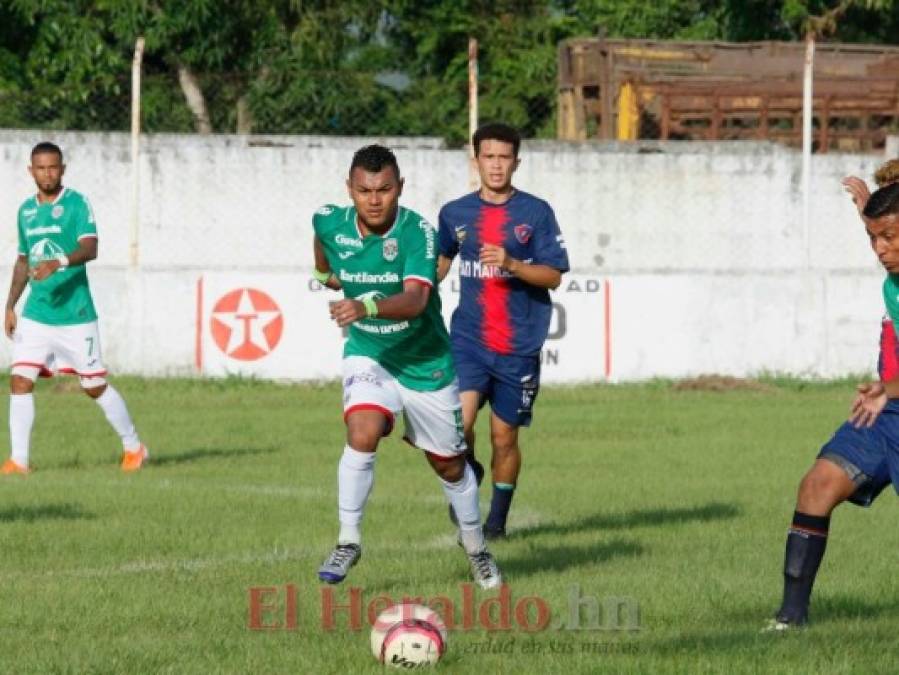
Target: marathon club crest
(523,233)
(57,211)
(461,233)
(391,249)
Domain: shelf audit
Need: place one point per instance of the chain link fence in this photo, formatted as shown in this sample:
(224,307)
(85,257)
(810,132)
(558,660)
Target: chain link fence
(287,100)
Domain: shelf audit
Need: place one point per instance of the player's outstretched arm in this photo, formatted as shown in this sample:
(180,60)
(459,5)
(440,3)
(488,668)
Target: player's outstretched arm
(86,251)
(542,276)
(406,305)
(858,190)
(16,288)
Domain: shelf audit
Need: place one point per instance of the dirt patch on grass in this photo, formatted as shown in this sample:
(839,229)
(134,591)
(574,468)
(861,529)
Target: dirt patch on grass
(722,383)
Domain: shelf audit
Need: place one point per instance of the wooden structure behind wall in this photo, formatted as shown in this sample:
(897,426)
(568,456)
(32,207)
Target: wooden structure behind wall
(630,89)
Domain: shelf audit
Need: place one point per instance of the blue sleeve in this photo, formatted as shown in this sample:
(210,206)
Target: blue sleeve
(447,243)
(549,245)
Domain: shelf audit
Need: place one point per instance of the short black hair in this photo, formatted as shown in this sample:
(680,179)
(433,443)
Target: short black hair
(46,147)
(884,202)
(374,158)
(496,131)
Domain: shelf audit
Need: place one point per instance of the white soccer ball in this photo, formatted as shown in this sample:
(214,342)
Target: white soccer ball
(408,636)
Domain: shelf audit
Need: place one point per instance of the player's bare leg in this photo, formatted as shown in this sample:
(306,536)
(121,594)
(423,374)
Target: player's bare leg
(21,420)
(134,453)
(471,402)
(355,478)
(505,466)
(823,488)
(461,489)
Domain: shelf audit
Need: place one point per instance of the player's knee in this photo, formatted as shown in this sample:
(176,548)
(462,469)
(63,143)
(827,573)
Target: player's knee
(504,444)
(93,386)
(363,440)
(450,469)
(821,488)
(22,379)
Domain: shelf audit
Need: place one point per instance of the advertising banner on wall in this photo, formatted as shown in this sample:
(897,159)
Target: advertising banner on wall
(278,326)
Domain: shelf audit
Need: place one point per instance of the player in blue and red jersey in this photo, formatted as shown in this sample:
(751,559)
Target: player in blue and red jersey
(862,457)
(511,253)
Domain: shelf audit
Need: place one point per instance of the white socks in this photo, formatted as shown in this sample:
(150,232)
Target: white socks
(21,419)
(463,496)
(116,412)
(355,476)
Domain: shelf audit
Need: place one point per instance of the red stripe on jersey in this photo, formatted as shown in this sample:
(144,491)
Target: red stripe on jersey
(496,325)
(889,352)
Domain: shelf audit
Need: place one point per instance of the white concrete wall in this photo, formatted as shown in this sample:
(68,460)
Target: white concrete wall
(695,253)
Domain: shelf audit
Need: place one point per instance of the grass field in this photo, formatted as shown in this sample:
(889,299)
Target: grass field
(675,501)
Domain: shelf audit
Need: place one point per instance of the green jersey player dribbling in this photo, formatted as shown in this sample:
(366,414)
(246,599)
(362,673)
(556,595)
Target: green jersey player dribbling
(397,356)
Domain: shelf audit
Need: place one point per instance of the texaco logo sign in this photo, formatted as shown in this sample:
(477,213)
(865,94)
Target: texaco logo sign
(246,324)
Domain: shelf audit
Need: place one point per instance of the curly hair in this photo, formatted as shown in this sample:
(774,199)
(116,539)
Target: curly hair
(887,174)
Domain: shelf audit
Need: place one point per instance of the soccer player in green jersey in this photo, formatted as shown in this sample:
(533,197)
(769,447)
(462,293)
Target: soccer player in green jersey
(58,328)
(397,356)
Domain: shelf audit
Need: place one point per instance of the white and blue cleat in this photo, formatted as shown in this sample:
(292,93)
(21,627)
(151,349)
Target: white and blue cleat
(338,563)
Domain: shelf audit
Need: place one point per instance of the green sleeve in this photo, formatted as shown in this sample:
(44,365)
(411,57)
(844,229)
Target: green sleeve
(23,244)
(420,245)
(85,225)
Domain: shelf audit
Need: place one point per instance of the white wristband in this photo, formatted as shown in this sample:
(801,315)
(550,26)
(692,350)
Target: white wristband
(63,260)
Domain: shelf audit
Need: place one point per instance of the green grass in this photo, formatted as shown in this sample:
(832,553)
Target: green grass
(676,500)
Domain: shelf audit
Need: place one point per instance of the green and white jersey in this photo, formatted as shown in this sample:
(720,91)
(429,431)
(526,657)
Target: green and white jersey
(415,351)
(47,231)
(891,298)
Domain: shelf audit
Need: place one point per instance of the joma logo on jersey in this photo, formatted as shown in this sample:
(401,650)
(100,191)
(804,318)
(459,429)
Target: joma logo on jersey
(429,231)
(367,278)
(348,241)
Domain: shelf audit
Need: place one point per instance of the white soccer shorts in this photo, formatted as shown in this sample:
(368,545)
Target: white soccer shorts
(433,419)
(65,349)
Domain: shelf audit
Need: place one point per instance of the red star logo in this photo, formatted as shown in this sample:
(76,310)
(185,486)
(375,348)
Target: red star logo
(246,324)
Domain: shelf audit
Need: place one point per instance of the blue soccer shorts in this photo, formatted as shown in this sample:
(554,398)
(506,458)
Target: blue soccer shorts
(868,455)
(509,382)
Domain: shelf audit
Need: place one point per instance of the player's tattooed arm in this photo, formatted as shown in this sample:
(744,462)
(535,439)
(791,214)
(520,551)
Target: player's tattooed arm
(542,276)
(443,267)
(86,251)
(406,305)
(323,273)
(16,288)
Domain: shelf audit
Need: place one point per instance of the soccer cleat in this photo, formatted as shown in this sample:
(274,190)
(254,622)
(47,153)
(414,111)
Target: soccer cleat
(478,469)
(494,533)
(779,625)
(339,562)
(484,570)
(10,468)
(132,461)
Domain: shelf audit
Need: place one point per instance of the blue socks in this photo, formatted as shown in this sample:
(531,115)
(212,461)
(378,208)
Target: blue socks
(499,506)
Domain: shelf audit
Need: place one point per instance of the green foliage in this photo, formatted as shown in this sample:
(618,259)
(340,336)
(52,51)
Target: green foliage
(354,67)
